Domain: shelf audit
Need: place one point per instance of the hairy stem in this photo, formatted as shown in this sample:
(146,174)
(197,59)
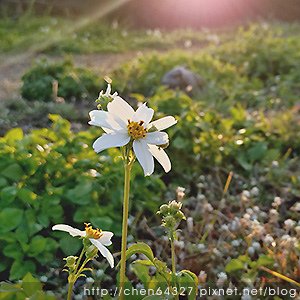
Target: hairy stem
(173,257)
(70,290)
(124,228)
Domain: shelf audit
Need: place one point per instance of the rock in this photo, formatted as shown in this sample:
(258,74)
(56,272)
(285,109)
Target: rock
(184,79)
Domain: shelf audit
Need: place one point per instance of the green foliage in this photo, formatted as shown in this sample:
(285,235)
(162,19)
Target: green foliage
(54,176)
(28,288)
(163,282)
(73,83)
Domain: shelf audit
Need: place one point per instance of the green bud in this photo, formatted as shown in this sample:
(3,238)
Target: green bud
(164,209)
(91,251)
(169,222)
(71,261)
(180,216)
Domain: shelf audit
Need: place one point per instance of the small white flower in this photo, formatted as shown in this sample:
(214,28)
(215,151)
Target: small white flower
(268,239)
(277,202)
(179,244)
(43,278)
(190,224)
(201,247)
(251,251)
(97,237)
(90,280)
(123,125)
(256,245)
(222,277)
(289,224)
(246,194)
(235,243)
(202,277)
(180,191)
(254,191)
(296,207)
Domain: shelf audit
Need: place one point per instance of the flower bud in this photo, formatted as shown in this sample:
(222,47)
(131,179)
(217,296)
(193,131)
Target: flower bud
(179,216)
(71,261)
(163,209)
(169,222)
(91,251)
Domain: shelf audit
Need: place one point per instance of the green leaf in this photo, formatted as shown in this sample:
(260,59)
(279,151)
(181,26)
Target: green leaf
(81,194)
(70,245)
(142,272)
(234,265)
(3,182)
(15,134)
(144,262)
(189,281)
(31,285)
(258,151)
(20,269)
(140,248)
(6,288)
(13,172)
(10,219)
(8,195)
(37,245)
(27,195)
(265,260)
(13,250)
(153,297)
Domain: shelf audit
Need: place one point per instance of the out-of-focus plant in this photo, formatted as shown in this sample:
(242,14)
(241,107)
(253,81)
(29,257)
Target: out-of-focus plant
(46,177)
(47,81)
(27,288)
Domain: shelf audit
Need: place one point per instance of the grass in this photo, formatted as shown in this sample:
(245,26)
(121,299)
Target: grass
(23,33)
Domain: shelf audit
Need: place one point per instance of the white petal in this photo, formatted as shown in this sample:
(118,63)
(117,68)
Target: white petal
(99,118)
(105,238)
(161,157)
(120,109)
(110,140)
(157,138)
(71,230)
(143,113)
(163,123)
(144,156)
(104,119)
(104,251)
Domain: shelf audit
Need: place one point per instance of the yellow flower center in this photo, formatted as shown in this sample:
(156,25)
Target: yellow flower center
(136,129)
(92,233)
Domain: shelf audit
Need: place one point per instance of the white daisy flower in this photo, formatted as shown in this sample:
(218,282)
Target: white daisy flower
(123,125)
(97,237)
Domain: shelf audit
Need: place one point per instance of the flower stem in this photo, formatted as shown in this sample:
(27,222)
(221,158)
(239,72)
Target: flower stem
(173,257)
(124,227)
(70,290)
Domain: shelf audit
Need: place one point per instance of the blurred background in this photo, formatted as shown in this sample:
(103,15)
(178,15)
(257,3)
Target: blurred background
(168,13)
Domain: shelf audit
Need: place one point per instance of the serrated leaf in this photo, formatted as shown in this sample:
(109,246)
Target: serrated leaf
(30,285)
(265,260)
(234,265)
(10,219)
(13,172)
(15,134)
(140,248)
